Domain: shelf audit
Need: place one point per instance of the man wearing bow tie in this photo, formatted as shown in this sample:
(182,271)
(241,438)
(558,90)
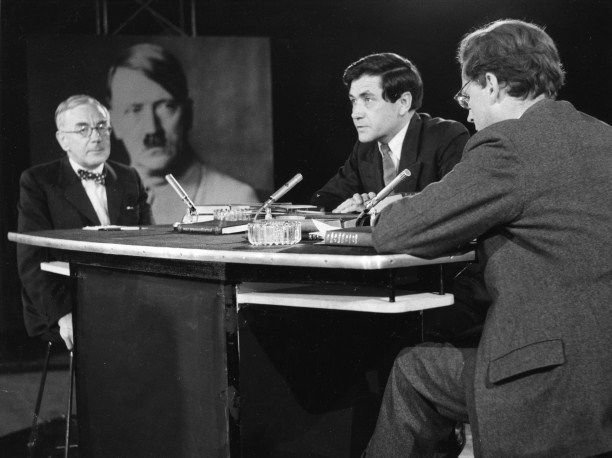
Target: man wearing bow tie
(80,189)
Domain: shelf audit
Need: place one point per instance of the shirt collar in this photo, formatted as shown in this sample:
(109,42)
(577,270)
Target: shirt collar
(395,145)
(76,167)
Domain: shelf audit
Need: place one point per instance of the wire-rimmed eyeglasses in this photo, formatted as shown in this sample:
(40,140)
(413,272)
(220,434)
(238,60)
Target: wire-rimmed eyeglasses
(462,98)
(86,131)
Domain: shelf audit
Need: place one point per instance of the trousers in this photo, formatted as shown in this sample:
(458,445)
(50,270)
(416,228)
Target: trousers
(428,392)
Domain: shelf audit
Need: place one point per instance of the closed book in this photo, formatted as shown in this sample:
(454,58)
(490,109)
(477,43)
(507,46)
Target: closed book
(350,236)
(213,227)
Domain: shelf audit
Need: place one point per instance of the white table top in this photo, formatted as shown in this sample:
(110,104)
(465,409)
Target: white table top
(162,243)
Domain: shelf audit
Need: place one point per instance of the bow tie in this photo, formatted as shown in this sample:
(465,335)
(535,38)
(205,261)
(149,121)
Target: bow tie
(97,177)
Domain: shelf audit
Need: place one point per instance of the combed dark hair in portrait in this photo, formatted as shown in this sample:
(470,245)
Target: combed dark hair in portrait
(157,64)
(398,75)
(521,55)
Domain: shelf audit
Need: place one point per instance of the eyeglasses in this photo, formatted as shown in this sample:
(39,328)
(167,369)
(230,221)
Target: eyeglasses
(86,131)
(462,98)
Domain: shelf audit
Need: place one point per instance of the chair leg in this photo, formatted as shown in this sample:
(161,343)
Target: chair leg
(33,438)
(69,412)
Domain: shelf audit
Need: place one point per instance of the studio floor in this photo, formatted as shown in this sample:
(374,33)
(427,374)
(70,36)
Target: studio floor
(19,381)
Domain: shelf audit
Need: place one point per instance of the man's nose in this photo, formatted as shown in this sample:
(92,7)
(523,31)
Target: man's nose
(95,135)
(356,111)
(150,122)
(470,117)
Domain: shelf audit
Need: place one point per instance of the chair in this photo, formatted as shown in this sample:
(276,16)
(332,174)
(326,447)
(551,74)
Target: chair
(52,338)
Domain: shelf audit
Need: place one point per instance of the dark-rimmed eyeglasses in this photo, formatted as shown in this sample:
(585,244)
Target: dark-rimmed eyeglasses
(86,131)
(462,98)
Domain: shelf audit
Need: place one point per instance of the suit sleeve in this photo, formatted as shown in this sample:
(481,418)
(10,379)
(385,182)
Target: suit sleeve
(451,152)
(342,185)
(46,297)
(484,190)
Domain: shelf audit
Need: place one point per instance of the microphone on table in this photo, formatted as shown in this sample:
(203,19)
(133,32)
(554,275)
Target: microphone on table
(181,193)
(280,193)
(384,192)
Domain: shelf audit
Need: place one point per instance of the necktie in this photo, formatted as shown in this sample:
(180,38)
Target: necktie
(388,165)
(97,177)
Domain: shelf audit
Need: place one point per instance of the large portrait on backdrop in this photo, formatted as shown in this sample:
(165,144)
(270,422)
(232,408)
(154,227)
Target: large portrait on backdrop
(199,108)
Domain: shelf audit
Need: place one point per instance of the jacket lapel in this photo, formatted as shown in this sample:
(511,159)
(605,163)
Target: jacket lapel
(410,152)
(75,193)
(113,194)
(373,169)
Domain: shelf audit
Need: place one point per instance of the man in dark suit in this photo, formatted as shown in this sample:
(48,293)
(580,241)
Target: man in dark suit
(535,187)
(81,189)
(385,91)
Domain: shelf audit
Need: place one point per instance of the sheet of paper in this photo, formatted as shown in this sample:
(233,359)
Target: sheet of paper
(322,227)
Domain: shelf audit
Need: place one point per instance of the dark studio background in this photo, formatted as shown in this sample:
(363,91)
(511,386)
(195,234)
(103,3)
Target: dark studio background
(311,43)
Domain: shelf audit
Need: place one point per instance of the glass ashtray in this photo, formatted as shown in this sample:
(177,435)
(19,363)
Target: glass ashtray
(269,232)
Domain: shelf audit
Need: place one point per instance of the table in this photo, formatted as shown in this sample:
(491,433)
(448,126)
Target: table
(170,361)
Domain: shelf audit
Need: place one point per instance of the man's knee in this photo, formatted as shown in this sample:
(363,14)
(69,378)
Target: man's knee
(427,363)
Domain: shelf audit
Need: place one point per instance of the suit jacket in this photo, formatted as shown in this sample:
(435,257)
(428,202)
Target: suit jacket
(537,191)
(431,148)
(52,197)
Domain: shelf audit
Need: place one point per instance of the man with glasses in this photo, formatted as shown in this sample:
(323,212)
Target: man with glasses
(534,187)
(81,189)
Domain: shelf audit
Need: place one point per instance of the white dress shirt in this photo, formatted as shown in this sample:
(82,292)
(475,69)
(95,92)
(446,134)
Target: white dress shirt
(95,191)
(395,145)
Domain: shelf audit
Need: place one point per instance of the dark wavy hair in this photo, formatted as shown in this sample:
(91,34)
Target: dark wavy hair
(521,55)
(398,75)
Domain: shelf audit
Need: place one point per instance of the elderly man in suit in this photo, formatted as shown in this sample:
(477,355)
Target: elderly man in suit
(535,187)
(385,91)
(80,189)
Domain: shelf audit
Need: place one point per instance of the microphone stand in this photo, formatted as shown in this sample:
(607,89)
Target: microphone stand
(384,192)
(279,193)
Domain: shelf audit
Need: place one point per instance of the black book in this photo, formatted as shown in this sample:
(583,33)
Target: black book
(213,227)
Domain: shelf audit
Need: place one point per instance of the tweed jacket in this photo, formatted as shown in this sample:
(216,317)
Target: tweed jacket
(537,192)
(52,197)
(431,148)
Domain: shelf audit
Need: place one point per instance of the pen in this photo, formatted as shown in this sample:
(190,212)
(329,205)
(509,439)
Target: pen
(113,227)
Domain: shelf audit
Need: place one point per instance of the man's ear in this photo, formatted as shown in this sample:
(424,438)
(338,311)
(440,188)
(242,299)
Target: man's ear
(61,139)
(494,90)
(405,101)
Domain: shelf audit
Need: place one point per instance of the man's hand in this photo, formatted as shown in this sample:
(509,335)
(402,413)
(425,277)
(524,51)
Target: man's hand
(65,325)
(355,203)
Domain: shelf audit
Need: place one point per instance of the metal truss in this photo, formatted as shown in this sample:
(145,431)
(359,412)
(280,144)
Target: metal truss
(186,13)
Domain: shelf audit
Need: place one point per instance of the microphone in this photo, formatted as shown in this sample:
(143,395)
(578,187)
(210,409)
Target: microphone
(181,193)
(384,192)
(280,192)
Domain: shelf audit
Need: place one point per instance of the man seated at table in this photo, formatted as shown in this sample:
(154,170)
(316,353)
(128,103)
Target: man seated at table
(80,189)
(152,115)
(385,91)
(535,187)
